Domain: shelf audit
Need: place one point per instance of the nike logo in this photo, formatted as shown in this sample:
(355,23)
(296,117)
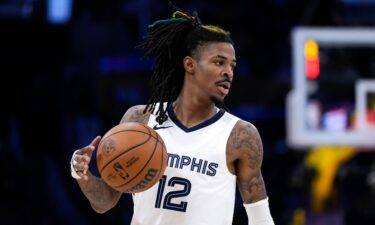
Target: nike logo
(156,127)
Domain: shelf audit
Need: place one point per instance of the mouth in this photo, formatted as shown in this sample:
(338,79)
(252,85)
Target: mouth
(224,86)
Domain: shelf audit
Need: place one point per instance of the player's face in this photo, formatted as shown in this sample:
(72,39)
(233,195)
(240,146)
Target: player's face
(214,72)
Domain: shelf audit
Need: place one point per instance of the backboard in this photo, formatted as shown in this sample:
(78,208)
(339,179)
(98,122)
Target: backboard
(332,101)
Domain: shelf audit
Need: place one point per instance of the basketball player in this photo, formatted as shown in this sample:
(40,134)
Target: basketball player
(209,150)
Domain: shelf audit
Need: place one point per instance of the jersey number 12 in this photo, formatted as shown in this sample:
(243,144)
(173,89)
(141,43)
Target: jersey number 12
(167,203)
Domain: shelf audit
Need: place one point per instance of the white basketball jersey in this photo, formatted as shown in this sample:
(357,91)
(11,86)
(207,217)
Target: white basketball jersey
(197,187)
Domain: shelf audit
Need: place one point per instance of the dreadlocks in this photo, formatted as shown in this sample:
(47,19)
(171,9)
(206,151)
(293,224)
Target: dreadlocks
(169,41)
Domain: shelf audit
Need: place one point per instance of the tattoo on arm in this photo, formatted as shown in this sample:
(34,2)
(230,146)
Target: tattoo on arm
(135,114)
(245,140)
(100,195)
(245,143)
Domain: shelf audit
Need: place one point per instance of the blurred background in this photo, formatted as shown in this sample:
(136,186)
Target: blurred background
(70,70)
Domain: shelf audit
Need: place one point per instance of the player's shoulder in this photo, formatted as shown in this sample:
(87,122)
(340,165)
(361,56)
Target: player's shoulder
(136,114)
(243,134)
(245,125)
(241,126)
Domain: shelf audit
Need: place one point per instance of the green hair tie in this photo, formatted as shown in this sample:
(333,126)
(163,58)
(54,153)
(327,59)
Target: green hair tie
(166,21)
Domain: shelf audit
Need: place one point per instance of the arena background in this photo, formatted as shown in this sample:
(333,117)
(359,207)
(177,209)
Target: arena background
(69,70)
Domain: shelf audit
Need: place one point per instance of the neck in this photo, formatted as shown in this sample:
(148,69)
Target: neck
(192,111)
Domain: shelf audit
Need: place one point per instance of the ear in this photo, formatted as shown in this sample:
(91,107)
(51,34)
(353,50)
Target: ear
(189,64)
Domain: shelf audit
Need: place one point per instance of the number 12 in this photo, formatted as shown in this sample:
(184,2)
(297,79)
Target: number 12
(168,204)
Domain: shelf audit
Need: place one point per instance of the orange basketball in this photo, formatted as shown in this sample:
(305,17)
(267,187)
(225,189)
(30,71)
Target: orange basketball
(131,157)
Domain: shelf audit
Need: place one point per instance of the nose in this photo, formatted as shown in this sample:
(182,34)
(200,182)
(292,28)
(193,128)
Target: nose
(228,72)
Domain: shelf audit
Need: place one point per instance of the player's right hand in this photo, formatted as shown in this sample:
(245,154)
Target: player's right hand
(81,158)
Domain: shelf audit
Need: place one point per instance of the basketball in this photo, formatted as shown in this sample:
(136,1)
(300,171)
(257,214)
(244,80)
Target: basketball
(131,157)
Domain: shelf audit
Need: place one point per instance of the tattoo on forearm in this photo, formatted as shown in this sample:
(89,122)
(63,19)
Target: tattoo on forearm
(97,192)
(256,187)
(252,189)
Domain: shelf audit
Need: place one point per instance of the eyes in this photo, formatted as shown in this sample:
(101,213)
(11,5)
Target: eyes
(223,62)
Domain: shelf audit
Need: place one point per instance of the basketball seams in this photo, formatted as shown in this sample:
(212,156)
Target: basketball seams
(151,134)
(125,131)
(152,131)
(133,139)
(153,152)
(164,152)
(127,150)
(131,148)
(163,147)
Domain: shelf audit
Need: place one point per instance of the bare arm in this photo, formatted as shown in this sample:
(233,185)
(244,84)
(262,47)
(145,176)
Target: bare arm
(135,114)
(245,156)
(101,196)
